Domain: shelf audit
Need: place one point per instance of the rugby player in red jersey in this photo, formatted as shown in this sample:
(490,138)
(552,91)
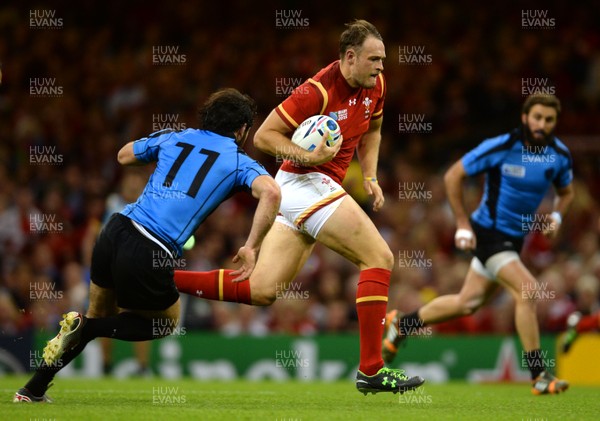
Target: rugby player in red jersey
(314,205)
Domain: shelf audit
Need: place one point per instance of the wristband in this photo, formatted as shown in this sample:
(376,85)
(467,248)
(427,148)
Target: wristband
(463,234)
(373,179)
(556,216)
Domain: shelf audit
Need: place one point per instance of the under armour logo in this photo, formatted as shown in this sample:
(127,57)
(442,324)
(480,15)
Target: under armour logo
(383,321)
(352,102)
(199,293)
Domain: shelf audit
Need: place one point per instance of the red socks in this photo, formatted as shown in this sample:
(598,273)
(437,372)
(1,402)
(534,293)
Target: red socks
(213,285)
(371,305)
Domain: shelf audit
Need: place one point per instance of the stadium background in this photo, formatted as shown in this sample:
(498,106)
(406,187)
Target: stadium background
(93,76)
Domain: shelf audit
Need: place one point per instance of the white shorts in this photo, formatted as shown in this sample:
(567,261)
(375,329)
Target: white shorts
(494,264)
(307,200)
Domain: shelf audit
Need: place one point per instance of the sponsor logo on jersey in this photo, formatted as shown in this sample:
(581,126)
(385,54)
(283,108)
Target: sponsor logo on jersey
(513,170)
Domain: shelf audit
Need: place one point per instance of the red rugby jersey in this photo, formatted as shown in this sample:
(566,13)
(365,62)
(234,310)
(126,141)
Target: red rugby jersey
(328,93)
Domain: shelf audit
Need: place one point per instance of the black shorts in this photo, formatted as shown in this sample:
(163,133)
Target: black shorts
(491,241)
(139,270)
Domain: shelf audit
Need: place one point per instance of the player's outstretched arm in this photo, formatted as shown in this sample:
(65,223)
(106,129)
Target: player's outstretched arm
(453,180)
(562,203)
(564,198)
(266,190)
(126,156)
(271,138)
(368,156)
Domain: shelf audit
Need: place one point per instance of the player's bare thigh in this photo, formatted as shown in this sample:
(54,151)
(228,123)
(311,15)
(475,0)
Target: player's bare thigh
(282,254)
(516,278)
(103,302)
(351,233)
(476,291)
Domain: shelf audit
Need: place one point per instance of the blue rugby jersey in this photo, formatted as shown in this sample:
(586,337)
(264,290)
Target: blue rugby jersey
(517,178)
(196,171)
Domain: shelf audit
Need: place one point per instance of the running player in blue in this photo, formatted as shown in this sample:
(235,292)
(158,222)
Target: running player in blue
(519,168)
(132,291)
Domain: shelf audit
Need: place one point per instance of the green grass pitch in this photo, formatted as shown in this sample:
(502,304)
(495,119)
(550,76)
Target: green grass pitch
(159,399)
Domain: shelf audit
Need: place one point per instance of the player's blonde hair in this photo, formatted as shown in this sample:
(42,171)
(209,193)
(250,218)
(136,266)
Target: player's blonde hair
(355,35)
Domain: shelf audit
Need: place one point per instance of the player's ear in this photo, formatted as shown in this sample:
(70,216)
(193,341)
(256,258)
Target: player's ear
(350,56)
(524,118)
(241,134)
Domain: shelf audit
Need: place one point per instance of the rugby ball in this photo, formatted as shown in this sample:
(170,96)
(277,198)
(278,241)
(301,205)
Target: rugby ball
(309,134)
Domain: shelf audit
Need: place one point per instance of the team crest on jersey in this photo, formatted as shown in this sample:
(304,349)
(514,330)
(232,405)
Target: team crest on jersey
(367,103)
(512,170)
(339,115)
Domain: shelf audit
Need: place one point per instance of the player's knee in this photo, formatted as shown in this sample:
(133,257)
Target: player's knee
(388,259)
(263,296)
(383,258)
(527,298)
(97,312)
(528,294)
(94,314)
(470,305)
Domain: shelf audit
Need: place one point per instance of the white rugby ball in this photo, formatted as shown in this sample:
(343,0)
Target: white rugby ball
(309,134)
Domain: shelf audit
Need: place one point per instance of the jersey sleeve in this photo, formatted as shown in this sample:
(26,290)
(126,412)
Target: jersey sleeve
(305,101)
(485,156)
(146,149)
(565,175)
(248,170)
(378,111)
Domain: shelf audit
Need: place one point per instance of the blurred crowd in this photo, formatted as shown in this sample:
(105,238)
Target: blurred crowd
(59,178)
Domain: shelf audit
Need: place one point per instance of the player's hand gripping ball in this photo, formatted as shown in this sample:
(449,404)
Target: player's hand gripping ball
(309,134)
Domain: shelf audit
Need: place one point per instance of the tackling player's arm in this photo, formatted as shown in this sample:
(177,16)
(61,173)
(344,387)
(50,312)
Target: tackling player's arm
(266,190)
(453,180)
(368,155)
(562,202)
(271,138)
(126,156)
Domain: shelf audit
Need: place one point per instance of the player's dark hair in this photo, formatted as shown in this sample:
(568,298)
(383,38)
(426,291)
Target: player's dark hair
(546,100)
(226,111)
(355,35)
